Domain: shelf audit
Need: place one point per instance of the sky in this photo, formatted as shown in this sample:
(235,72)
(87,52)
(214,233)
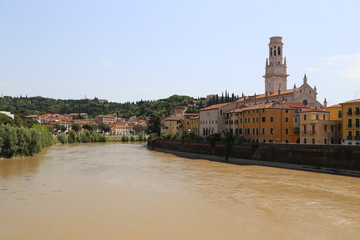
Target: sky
(132,50)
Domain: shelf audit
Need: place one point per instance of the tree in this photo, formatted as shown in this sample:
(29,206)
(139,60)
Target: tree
(154,125)
(6,119)
(138,129)
(228,138)
(104,128)
(76,127)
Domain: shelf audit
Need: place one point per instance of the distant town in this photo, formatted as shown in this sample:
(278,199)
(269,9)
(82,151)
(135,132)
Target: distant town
(281,114)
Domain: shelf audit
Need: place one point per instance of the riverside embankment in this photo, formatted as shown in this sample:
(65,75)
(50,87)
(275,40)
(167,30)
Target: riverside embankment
(317,156)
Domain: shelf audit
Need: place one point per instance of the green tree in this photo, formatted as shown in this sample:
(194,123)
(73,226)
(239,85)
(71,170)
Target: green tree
(154,125)
(228,138)
(6,119)
(104,128)
(138,129)
(76,127)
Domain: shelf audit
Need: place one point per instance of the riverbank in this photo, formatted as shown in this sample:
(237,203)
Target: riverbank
(342,160)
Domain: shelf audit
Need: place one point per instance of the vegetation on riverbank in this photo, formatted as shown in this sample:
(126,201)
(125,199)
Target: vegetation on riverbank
(81,137)
(126,138)
(19,141)
(88,136)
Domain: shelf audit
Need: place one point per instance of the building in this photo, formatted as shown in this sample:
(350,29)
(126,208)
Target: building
(172,125)
(269,122)
(317,128)
(212,118)
(120,128)
(106,119)
(335,112)
(276,82)
(351,122)
(9,114)
(191,123)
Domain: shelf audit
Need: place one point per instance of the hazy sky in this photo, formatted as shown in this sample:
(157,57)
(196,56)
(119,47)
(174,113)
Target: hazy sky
(136,49)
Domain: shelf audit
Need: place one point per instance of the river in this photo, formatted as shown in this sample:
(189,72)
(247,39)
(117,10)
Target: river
(124,191)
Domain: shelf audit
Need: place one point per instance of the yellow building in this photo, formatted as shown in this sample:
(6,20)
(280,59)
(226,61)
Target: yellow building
(120,128)
(351,122)
(317,128)
(191,123)
(171,125)
(335,112)
(270,122)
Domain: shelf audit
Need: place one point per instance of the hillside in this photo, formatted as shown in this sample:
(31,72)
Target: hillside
(41,105)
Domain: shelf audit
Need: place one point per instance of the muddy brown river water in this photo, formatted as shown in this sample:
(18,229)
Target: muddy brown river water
(124,191)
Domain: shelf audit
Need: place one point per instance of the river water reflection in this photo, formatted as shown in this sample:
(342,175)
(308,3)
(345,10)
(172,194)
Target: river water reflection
(124,191)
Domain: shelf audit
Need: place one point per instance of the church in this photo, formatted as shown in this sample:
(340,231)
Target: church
(276,82)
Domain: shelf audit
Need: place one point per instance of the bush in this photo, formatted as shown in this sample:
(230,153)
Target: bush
(20,141)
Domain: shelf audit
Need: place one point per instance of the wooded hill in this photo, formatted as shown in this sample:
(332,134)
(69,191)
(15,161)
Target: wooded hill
(41,105)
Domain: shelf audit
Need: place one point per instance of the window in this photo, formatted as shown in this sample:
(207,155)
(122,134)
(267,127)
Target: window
(349,111)
(357,110)
(286,119)
(286,131)
(349,123)
(304,117)
(221,112)
(305,102)
(271,119)
(325,128)
(286,111)
(317,117)
(357,122)
(271,131)
(263,131)
(263,119)
(304,140)
(257,131)
(313,141)
(349,136)
(240,131)
(324,117)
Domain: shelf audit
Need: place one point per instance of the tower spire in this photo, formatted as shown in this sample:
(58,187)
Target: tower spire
(275,71)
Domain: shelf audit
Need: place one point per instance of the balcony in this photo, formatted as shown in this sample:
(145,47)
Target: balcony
(357,113)
(349,137)
(308,132)
(349,113)
(357,137)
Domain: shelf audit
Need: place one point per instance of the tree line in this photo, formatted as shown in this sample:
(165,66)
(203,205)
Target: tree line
(93,107)
(20,141)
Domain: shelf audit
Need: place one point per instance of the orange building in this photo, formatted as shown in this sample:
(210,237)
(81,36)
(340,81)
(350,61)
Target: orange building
(270,122)
(191,123)
(317,128)
(351,122)
(335,112)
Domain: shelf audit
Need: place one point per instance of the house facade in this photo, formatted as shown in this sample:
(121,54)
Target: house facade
(351,122)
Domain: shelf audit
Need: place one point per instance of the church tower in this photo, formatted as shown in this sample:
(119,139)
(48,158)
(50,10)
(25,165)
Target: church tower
(275,70)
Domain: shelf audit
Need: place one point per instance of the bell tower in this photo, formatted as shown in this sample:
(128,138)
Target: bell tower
(275,70)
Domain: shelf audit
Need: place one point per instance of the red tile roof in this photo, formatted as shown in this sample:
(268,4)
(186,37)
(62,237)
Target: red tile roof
(260,96)
(216,106)
(314,110)
(352,101)
(335,106)
(173,118)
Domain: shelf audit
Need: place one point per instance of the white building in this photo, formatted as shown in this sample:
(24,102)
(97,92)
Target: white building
(9,114)
(212,118)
